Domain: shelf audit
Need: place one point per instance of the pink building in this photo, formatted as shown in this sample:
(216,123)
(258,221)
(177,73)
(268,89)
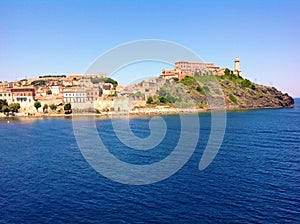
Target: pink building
(192,67)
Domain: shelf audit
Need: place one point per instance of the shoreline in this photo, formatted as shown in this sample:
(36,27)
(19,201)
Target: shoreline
(134,113)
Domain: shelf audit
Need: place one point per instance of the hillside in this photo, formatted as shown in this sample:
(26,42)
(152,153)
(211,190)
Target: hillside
(239,93)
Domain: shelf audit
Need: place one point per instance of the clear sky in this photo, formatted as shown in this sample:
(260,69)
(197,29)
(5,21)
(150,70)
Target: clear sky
(42,37)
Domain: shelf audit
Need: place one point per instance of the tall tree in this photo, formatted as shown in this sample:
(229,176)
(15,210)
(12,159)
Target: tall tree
(37,105)
(14,107)
(68,108)
(45,108)
(2,104)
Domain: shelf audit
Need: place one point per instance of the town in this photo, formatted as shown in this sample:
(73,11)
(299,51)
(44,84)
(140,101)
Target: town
(62,94)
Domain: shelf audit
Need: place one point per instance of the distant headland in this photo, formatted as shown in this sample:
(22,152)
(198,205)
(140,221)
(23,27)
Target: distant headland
(186,88)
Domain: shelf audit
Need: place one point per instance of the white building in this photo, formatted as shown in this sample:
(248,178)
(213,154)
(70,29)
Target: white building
(5,94)
(74,95)
(237,70)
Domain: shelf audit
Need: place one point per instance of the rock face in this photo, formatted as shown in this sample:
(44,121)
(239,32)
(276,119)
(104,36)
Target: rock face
(255,96)
(239,93)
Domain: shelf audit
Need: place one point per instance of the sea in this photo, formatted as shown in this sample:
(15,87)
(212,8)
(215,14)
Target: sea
(254,178)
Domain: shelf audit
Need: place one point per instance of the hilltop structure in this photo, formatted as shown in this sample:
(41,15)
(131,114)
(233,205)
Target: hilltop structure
(237,71)
(184,68)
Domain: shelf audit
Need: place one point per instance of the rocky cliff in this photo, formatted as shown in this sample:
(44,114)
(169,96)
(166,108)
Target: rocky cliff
(239,93)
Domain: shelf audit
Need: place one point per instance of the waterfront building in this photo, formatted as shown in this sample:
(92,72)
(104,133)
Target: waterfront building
(74,95)
(23,95)
(5,94)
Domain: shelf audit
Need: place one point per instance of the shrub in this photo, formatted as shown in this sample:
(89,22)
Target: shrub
(200,90)
(149,100)
(188,81)
(53,106)
(67,106)
(206,89)
(45,108)
(246,83)
(233,98)
(163,99)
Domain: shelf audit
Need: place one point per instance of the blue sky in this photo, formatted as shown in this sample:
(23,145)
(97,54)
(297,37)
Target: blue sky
(41,37)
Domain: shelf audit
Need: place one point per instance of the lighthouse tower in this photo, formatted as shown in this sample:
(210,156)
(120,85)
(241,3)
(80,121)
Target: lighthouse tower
(237,70)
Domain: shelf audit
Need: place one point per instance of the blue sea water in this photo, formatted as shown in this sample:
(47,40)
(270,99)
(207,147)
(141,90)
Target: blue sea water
(255,177)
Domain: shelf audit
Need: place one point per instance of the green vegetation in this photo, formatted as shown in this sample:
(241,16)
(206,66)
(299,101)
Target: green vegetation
(228,74)
(149,100)
(37,105)
(52,76)
(49,92)
(105,80)
(5,108)
(189,81)
(45,108)
(246,83)
(53,106)
(191,91)
(3,104)
(113,95)
(163,99)
(206,89)
(14,107)
(68,108)
(233,98)
(200,89)
(38,83)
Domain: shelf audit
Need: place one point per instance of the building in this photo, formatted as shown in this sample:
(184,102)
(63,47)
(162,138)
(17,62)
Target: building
(74,95)
(23,95)
(5,94)
(93,93)
(94,76)
(192,67)
(171,74)
(107,88)
(67,82)
(184,68)
(237,71)
(75,76)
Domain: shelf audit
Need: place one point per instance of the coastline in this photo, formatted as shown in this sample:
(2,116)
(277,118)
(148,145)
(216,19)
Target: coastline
(145,112)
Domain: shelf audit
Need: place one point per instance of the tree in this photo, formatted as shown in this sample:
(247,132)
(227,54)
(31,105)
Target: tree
(149,100)
(112,81)
(53,106)
(227,72)
(68,108)
(5,109)
(37,105)
(14,107)
(2,104)
(49,92)
(163,99)
(45,108)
